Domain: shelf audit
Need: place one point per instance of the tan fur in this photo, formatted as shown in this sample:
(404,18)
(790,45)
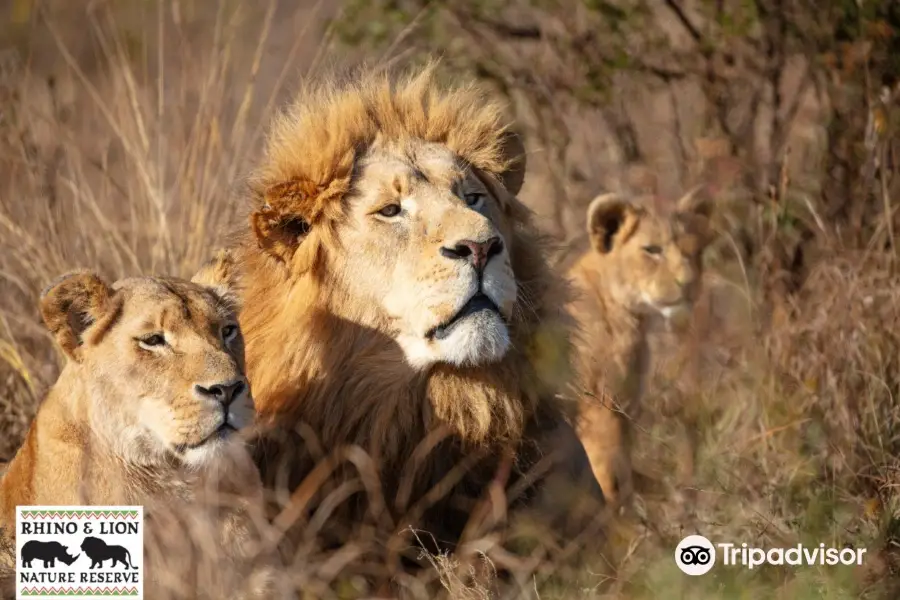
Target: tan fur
(124,424)
(338,299)
(623,289)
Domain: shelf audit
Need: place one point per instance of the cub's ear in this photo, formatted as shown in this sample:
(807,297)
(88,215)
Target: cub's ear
(71,304)
(219,274)
(514,151)
(611,219)
(694,212)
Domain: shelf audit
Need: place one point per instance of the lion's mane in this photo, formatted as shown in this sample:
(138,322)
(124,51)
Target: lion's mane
(350,385)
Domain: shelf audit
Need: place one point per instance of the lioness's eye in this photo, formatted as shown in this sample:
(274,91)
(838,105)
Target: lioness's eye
(391,210)
(152,341)
(474,199)
(228,332)
(654,250)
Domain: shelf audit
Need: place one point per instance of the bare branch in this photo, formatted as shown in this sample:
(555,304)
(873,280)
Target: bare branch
(685,21)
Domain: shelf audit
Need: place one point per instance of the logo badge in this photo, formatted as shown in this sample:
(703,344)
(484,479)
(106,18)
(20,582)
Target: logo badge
(80,552)
(695,555)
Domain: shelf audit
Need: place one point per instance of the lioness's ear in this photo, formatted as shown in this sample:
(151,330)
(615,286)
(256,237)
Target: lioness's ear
(514,151)
(71,304)
(611,220)
(693,212)
(219,274)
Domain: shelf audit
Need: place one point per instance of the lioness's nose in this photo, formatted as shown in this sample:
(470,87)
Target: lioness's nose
(226,392)
(476,253)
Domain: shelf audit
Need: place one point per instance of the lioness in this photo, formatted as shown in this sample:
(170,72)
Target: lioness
(642,267)
(397,298)
(145,412)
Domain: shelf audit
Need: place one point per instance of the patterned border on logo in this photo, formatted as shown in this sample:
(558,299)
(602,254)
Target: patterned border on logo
(79,514)
(79,592)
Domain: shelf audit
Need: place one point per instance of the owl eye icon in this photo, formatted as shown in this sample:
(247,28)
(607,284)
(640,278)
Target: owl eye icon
(695,555)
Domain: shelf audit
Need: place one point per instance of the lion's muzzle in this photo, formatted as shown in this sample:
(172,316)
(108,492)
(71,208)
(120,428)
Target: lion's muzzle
(475,253)
(478,303)
(227,407)
(224,393)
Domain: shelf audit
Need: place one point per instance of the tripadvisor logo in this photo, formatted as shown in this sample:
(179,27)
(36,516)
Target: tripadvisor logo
(696,555)
(80,552)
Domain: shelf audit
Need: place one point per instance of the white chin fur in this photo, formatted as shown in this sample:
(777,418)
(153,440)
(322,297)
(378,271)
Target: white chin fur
(478,340)
(211,452)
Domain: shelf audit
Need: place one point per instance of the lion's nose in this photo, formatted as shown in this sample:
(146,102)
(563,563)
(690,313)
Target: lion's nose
(476,253)
(224,393)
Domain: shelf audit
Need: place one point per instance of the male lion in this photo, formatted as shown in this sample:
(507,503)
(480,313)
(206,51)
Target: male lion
(99,551)
(396,298)
(642,266)
(145,412)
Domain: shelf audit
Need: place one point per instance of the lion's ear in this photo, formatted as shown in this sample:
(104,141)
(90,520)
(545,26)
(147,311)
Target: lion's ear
(219,274)
(514,152)
(282,222)
(693,213)
(71,304)
(611,219)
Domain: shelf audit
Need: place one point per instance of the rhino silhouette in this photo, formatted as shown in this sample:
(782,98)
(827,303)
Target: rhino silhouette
(48,552)
(98,551)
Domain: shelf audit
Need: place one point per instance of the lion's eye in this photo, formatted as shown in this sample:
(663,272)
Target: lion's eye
(229,332)
(152,341)
(653,250)
(474,199)
(391,210)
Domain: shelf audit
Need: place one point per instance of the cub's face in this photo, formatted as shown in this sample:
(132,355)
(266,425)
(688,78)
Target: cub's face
(426,250)
(163,360)
(651,263)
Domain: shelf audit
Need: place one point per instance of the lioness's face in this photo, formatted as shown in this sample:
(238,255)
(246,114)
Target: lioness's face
(652,262)
(164,362)
(426,246)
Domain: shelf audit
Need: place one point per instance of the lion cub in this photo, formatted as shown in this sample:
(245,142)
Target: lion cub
(146,412)
(643,267)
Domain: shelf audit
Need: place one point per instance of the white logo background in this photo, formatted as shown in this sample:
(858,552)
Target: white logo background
(695,555)
(117,526)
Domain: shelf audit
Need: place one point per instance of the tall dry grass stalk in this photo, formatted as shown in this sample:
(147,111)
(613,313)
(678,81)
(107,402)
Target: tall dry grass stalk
(125,131)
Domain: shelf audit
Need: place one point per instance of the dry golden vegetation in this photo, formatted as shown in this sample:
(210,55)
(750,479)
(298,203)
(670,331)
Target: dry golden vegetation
(127,127)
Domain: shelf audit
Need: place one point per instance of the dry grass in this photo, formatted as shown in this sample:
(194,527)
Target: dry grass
(123,155)
(115,160)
